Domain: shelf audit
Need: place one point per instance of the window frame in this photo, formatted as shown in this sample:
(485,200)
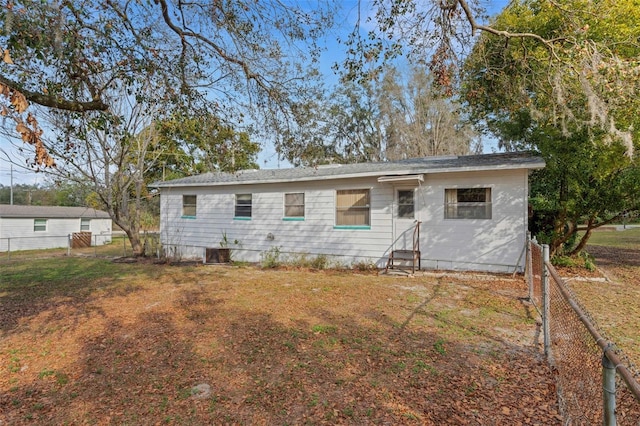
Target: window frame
(340,210)
(187,206)
(40,223)
(243,211)
(459,203)
(292,205)
(85,224)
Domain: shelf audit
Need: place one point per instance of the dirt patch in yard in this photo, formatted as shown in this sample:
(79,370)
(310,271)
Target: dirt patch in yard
(157,344)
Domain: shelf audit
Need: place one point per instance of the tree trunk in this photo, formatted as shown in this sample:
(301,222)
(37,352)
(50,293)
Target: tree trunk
(591,225)
(132,230)
(583,241)
(136,242)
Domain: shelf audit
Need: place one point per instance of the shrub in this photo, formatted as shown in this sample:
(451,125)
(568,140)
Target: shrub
(364,266)
(270,258)
(321,261)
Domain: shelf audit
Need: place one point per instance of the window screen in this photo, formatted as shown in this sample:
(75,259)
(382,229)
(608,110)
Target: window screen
(189,205)
(294,205)
(243,205)
(467,203)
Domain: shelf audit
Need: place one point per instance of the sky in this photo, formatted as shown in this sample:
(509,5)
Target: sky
(333,53)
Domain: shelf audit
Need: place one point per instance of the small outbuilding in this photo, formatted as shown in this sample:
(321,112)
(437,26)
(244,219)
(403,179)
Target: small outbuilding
(43,227)
(455,212)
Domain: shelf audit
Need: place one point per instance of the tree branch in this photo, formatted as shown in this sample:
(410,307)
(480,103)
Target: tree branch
(475,26)
(54,101)
(221,52)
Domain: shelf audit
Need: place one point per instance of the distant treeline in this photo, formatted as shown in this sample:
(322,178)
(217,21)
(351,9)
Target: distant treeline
(44,195)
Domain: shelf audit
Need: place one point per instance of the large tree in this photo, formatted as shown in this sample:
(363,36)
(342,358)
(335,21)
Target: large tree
(68,55)
(581,55)
(101,72)
(116,159)
(110,156)
(418,120)
(396,116)
(585,184)
(572,100)
(190,145)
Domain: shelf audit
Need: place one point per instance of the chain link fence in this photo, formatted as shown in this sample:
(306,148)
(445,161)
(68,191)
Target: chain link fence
(117,246)
(597,383)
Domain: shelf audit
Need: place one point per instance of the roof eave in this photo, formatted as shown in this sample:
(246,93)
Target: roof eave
(531,166)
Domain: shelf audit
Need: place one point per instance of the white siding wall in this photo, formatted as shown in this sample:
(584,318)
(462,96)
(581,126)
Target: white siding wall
(475,244)
(18,234)
(314,235)
(493,245)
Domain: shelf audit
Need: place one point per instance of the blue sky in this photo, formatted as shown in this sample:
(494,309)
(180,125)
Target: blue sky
(333,53)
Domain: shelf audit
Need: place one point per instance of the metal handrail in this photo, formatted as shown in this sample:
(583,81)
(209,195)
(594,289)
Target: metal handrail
(416,237)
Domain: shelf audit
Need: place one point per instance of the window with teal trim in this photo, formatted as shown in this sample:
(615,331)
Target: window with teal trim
(39,225)
(243,206)
(189,205)
(294,206)
(353,208)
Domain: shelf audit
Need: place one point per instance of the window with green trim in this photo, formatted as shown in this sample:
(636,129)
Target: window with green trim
(39,225)
(243,205)
(353,207)
(189,203)
(294,205)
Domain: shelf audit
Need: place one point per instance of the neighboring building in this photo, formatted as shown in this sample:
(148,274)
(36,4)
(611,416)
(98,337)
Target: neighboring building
(42,227)
(472,211)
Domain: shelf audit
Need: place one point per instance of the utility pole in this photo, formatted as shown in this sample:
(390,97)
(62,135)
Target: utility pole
(11,190)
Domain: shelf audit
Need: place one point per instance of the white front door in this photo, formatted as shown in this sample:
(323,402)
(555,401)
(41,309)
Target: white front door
(404,217)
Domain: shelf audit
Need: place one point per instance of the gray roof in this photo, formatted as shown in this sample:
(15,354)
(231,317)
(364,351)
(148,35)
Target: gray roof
(44,212)
(500,161)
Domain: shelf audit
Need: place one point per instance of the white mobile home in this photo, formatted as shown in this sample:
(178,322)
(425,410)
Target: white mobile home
(460,212)
(43,227)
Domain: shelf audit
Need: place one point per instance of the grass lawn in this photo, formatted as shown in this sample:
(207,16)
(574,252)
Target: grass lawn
(90,341)
(615,304)
(629,238)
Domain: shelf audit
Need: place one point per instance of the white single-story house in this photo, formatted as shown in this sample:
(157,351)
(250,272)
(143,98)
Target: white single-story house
(42,227)
(454,212)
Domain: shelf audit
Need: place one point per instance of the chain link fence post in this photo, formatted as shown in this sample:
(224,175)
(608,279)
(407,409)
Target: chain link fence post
(528,271)
(546,300)
(608,391)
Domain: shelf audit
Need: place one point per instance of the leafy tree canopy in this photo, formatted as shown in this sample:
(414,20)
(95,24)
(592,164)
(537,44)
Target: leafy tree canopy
(102,72)
(568,93)
(48,194)
(576,62)
(219,56)
(193,145)
(396,116)
(585,76)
